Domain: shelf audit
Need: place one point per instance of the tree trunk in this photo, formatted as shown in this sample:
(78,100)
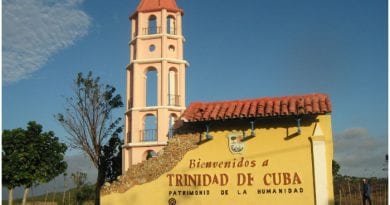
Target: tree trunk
(47,193)
(25,194)
(349,193)
(64,195)
(54,192)
(386,194)
(10,196)
(99,184)
(97,194)
(54,195)
(340,197)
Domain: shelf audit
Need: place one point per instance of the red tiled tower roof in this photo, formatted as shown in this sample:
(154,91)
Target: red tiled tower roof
(157,5)
(261,108)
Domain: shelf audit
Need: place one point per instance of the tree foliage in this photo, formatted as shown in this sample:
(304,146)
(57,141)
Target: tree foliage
(13,156)
(79,179)
(335,168)
(31,157)
(112,158)
(84,192)
(89,122)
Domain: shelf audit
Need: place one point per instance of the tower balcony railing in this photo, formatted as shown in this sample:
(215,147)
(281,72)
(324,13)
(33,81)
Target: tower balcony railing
(151,30)
(173,100)
(171,31)
(155,30)
(148,135)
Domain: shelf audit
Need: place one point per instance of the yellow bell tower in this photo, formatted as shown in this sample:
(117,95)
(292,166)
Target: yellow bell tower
(156,49)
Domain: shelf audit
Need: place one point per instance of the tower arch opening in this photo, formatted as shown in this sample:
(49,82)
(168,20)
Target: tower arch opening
(151,86)
(171,25)
(172,118)
(149,154)
(173,97)
(149,131)
(152,25)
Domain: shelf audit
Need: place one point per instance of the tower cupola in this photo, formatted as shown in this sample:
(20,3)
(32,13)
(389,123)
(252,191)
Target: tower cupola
(157,5)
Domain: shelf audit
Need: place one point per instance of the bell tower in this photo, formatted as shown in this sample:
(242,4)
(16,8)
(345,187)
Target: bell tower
(155,89)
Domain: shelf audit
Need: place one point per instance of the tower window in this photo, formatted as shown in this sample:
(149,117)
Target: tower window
(171,27)
(152,26)
(173,97)
(152,48)
(151,87)
(171,48)
(149,133)
(171,121)
(150,154)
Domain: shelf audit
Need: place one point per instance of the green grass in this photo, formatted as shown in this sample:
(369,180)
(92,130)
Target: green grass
(56,197)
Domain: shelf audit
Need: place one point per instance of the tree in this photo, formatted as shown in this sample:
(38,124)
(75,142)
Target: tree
(31,157)
(65,188)
(385,165)
(12,158)
(89,122)
(84,192)
(112,158)
(79,179)
(335,168)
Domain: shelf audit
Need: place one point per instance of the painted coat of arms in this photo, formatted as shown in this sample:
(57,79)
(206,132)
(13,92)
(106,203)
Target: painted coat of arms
(236,145)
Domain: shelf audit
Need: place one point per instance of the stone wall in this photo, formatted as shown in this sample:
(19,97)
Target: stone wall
(151,169)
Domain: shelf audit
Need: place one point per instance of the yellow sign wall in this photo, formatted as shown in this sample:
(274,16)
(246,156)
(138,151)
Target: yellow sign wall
(274,167)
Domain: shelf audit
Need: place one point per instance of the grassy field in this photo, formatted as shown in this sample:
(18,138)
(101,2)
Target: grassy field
(354,199)
(347,191)
(53,198)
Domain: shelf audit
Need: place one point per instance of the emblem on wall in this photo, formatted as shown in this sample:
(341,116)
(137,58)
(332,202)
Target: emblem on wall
(236,145)
(172,201)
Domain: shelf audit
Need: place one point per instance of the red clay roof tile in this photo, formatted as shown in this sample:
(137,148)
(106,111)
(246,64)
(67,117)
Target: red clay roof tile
(262,107)
(222,111)
(292,106)
(276,110)
(230,110)
(268,107)
(214,113)
(237,111)
(252,111)
(284,107)
(308,105)
(245,109)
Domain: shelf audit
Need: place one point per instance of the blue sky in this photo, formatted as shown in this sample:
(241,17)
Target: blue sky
(236,50)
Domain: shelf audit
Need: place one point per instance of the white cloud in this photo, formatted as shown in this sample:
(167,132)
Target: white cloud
(359,153)
(34,30)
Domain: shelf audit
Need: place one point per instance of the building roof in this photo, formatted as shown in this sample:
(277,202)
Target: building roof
(258,108)
(157,5)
